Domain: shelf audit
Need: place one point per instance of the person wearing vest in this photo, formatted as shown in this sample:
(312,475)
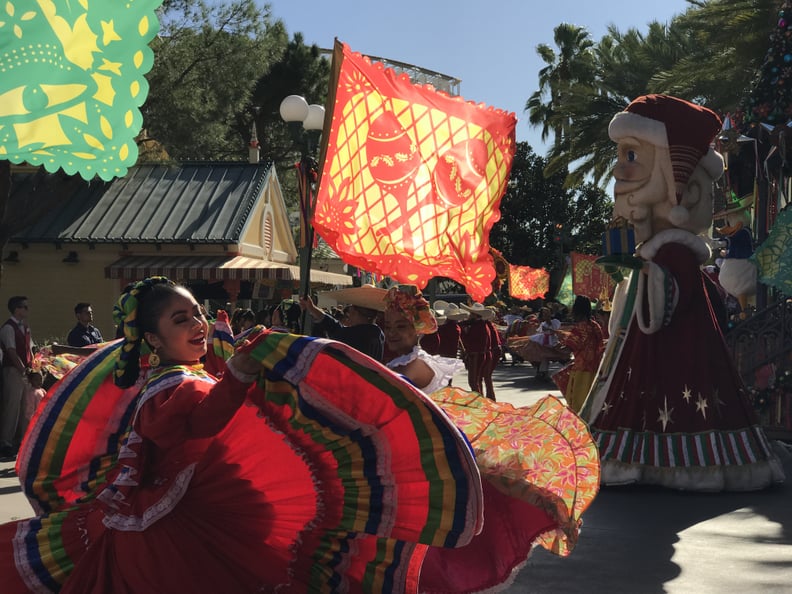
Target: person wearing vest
(17,356)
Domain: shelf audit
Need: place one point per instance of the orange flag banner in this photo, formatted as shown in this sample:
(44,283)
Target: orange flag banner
(528,283)
(411,178)
(589,279)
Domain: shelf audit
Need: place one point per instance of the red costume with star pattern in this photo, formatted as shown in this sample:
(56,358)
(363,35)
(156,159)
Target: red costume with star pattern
(667,406)
(675,411)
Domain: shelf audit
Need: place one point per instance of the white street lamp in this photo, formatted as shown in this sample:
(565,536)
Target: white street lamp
(315,118)
(295,110)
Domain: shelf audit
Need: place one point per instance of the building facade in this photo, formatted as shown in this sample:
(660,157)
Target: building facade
(220,228)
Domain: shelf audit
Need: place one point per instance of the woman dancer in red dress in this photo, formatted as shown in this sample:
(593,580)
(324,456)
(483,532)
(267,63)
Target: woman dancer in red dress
(585,341)
(271,478)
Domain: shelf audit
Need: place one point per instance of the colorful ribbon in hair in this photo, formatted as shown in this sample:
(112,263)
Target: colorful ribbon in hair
(125,314)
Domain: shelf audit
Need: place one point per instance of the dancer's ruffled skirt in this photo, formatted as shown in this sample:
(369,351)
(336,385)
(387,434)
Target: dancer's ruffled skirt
(540,472)
(335,476)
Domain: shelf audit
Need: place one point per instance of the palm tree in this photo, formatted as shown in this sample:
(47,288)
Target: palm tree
(624,66)
(729,41)
(709,55)
(573,64)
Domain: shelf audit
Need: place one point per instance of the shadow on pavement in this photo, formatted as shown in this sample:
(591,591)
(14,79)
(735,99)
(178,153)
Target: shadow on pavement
(630,543)
(650,540)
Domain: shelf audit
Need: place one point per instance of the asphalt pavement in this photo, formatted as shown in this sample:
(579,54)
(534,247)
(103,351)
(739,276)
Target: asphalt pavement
(635,540)
(648,540)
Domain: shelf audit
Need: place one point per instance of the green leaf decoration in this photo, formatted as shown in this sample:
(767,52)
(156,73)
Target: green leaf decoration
(773,256)
(72,82)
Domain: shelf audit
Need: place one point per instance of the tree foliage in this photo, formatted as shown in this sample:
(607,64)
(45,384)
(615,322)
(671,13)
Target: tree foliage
(207,60)
(728,39)
(301,70)
(708,54)
(220,69)
(573,64)
(541,219)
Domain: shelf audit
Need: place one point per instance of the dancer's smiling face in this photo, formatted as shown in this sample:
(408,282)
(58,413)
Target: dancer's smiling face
(181,329)
(400,333)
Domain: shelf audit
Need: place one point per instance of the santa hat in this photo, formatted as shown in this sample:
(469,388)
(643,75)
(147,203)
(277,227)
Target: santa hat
(684,128)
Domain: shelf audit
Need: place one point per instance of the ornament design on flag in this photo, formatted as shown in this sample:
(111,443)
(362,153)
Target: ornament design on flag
(412,178)
(72,83)
(393,158)
(459,171)
(589,278)
(392,155)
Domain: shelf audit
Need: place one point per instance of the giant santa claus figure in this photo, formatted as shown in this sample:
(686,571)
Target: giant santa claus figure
(668,406)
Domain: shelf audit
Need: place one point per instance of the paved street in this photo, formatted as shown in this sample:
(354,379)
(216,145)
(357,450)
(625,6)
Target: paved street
(644,540)
(635,540)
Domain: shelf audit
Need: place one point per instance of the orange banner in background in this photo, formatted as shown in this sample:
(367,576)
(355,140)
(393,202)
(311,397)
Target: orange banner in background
(589,279)
(528,283)
(411,177)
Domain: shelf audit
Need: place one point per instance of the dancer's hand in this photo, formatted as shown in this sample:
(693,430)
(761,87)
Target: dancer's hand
(246,364)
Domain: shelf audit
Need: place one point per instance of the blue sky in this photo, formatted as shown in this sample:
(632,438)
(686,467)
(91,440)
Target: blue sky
(489,45)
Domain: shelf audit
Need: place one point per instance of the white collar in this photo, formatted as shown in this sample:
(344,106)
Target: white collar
(648,249)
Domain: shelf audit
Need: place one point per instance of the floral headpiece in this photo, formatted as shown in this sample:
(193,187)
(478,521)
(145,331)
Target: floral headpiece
(414,307)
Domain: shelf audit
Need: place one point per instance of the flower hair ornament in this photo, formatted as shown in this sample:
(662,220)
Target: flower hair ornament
(125,313)
(414,307)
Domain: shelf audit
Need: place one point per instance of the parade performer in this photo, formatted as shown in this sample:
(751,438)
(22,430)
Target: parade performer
(147,474)
(738,273)
(476,344)
(449,332)
(542,347)
(360,329)
(586,343)
(408,318)
(668,406)
(538,463)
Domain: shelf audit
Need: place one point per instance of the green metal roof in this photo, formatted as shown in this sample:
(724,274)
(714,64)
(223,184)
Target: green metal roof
(159,203)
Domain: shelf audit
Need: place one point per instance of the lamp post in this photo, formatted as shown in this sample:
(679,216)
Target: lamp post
(305,125)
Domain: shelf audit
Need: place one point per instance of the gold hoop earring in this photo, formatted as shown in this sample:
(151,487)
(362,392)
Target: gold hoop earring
(154,359)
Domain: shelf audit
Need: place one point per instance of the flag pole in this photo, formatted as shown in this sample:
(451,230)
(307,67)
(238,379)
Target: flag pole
(295,110)
(306,174)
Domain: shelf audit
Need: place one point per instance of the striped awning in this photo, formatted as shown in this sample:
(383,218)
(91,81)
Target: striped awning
(215,268)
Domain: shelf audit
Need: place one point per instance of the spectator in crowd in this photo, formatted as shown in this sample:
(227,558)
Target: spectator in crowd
(242,319)
(84,333)
(290,313)
(17,347)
